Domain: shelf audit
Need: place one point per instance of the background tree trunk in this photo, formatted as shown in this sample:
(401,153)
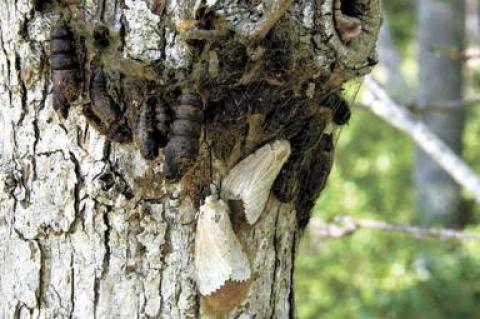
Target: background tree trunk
(89,229)
(441,26)
(389,63)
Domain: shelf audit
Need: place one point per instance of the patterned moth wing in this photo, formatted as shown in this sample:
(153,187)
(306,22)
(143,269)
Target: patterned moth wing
(251,180)
(219,255)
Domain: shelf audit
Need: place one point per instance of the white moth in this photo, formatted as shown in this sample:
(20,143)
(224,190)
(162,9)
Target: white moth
(252,178)
(219,255)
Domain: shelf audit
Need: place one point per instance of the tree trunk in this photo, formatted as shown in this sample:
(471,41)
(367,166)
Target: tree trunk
(441,35)
(89,228)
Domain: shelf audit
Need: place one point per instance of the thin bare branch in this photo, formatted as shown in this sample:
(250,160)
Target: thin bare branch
(446,106)
(344,226)
(376,99)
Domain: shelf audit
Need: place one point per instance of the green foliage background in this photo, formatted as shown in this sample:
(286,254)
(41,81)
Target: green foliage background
(378,275)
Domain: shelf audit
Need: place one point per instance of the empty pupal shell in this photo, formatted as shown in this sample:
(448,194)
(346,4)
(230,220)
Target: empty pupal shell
(251,180)
(219,255)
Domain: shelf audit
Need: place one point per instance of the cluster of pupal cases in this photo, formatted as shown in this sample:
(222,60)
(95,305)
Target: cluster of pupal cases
(176,128)
(220,258)
(155,126)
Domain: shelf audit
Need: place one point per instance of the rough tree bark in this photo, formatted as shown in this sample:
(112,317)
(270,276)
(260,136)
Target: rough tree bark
(88,228)
(441,26)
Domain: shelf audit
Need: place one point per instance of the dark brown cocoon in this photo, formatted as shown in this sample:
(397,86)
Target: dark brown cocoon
(152,128)
(64,70)
(162,121)
(101,36)
(340,107)
(102,104)
(285,187)
(104,114)
(183,145)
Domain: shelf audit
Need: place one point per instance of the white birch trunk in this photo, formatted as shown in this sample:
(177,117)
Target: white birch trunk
(87,227)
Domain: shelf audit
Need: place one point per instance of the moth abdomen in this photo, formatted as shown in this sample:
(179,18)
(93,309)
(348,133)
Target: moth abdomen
(182,148)
(64,69)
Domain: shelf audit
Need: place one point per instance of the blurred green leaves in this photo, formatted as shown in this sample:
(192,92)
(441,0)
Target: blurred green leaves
(373,274)
(401,15)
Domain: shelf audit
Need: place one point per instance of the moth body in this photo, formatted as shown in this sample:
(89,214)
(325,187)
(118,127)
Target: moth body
(251,180)
(219,255)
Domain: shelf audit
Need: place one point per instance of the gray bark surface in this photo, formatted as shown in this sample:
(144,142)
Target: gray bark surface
(441,27)
(89,229)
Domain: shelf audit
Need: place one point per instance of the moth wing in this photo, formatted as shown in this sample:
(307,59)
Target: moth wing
(219,256)
(252,178)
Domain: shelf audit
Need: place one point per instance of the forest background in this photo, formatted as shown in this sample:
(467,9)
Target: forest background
(373,274)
